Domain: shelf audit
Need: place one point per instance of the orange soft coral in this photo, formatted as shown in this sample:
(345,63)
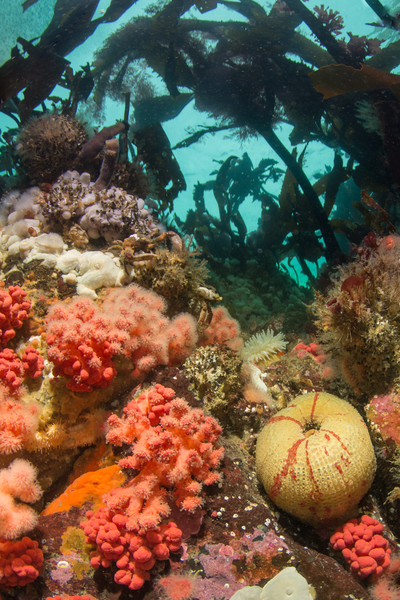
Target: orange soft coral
(174,448)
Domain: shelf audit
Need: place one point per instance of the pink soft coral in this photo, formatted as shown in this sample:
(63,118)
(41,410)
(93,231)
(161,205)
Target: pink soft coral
(152,338)
(18,422)
(174,448)
(174,452)
(388,586)
(83,338)
(18,481)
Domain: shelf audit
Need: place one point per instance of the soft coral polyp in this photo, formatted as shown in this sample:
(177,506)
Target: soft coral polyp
(362,546)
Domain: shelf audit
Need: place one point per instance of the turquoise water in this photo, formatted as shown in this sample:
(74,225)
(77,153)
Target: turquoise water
(200,159)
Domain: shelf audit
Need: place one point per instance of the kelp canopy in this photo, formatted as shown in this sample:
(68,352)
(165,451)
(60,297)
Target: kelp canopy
(250,72)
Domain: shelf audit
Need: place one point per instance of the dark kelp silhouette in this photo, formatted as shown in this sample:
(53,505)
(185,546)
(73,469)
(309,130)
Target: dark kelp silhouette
(249,72)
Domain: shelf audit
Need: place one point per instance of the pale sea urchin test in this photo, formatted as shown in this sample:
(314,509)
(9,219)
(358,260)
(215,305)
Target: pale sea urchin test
(315,458)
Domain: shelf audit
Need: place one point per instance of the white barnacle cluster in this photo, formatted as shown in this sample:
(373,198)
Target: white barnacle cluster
(111,214)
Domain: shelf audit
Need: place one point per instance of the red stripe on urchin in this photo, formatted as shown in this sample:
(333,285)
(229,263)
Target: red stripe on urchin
(314,405)
(335,435)
(284,418)
(315,494)
(290,461)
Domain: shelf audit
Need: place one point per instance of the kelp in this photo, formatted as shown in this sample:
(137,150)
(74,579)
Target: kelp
(249,72)
(158,110)
(70,26)
(386,18)
(241,71)
(234,181)
(154,150)
(335,80)
(218,84)
(286,226)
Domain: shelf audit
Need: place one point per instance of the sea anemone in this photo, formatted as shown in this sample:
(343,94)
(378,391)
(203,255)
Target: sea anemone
(263,348)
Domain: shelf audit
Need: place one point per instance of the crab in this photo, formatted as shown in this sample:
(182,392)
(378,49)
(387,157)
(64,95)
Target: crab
(138,249)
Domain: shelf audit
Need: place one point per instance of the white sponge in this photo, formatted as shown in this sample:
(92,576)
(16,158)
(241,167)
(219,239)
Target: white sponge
(287,585)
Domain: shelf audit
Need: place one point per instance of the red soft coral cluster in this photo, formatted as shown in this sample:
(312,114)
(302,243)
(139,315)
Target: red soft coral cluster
(20,562)
(172,446)
(14,310)
(362,546)
(135,553)
(83,338)
(32,362)
(18,420)
(81,342)
(311,349)
(13,369)
(174,451)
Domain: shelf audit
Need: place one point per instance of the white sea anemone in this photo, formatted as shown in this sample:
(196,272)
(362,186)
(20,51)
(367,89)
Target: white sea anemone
(263,347)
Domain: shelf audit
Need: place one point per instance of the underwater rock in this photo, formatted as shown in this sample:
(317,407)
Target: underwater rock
(240,542)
